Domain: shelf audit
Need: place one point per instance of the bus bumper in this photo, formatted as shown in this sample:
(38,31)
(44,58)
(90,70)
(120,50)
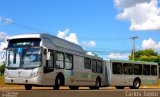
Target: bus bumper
(34,81)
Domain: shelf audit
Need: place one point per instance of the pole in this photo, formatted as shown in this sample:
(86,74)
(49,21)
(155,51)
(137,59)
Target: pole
(133,46)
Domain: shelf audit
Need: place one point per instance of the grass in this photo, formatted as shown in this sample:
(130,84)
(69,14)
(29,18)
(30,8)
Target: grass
(159,83)
(2,84)
(1,80)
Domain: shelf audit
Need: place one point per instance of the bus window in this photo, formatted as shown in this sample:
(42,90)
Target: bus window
(50,62)
(146,69)
(59,60)
(117,68)
(94,65)
(87,63)
(99,66)
(68,61)
(153,70)
(138,69)
(128,68)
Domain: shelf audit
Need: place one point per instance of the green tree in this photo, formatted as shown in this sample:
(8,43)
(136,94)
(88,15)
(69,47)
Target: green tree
(146,55)
(2,69)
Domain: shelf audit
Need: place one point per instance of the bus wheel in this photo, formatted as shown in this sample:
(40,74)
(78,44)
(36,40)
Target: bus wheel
(28,87)
(136,84)
(73,87)
(97,85)
(119,87)
(58,83)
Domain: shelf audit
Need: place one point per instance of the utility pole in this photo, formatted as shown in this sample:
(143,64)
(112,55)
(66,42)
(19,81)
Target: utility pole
(133,46)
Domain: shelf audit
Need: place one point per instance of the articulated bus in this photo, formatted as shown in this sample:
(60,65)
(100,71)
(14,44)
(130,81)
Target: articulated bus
(46,60)
(131,74)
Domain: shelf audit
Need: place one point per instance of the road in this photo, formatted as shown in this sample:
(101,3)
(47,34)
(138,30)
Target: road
(82,92)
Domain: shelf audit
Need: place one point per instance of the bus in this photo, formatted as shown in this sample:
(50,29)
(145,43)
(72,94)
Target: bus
(131,74)
(46,60)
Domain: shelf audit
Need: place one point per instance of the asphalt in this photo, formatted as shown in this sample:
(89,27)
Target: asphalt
(82,92)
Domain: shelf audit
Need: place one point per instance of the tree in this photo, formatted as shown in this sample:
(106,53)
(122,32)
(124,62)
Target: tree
(2,69)
(146,55)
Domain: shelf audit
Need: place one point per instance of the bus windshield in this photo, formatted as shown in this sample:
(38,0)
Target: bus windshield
(26,58)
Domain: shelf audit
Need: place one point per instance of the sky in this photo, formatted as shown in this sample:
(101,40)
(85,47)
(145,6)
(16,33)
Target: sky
(104,27)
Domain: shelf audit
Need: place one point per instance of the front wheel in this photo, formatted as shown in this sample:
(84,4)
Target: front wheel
(28,87)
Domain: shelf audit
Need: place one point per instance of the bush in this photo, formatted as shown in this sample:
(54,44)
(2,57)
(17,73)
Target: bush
(2,69)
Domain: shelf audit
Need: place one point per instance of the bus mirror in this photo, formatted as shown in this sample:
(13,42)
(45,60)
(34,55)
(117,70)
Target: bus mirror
(48,55)
(2,55)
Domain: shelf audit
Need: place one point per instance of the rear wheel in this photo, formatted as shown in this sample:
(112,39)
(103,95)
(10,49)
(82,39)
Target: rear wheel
(97,84)
(136,84)
(73,87)
(119,87)
(28,87)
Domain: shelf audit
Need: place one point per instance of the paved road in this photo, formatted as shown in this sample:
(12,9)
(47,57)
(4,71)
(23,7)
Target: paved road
(83,92)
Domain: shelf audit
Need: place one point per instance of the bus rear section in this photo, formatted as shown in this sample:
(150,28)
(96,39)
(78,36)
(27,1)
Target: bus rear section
(131,74)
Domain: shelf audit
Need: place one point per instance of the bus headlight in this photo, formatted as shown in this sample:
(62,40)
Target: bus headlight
(6,73)
(35,73)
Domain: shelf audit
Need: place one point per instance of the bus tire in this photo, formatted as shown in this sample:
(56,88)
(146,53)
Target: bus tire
(73,87)
(136,84)
(28,87)
(119,87)
(97,85)
(58,83)
(92,87)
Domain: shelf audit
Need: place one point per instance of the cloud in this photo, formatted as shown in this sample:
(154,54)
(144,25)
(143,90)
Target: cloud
(142,14)
(89,43)
(128,3)
(3,44)
(3,36)
(150,44)
(117,56)
(3,41)
(5,20)
(62,34)
(90,53)
(72,37)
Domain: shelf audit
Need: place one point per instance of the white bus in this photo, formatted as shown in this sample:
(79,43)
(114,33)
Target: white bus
(46,60)
(131,74)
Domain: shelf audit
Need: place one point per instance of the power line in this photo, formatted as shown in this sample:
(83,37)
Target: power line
(102,38)
(9,21)
(28,27)
(109,51)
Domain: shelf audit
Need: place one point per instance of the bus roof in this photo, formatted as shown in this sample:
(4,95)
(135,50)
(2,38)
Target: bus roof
(94,57)
(131,61)
(58,42)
